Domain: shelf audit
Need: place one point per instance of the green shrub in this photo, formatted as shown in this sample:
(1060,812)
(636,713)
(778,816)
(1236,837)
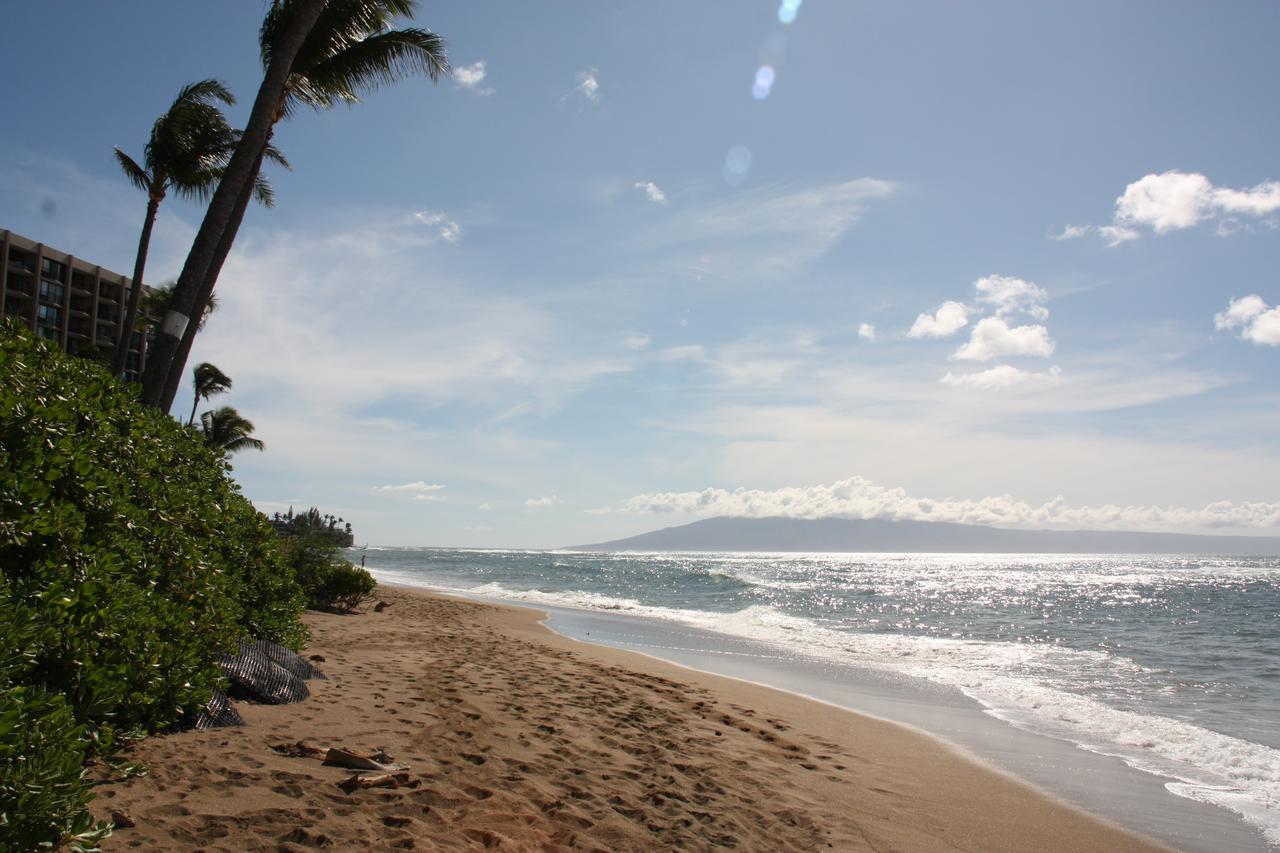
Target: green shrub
(131,555)
(330,582)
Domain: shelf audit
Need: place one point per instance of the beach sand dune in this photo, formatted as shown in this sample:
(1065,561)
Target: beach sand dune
(518,739)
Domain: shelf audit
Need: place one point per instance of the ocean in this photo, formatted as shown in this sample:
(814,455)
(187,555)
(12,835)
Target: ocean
(1169,663)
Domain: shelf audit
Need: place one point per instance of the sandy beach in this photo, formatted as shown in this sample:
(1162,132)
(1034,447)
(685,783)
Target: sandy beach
(519,739)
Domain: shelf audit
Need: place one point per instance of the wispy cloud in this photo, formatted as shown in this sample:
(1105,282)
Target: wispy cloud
(754,234)
(471,77)
(419,486)
(652,191)
(857,497)
(1175,201)
(448,229)
(867,331)
(542,502)
(589,84)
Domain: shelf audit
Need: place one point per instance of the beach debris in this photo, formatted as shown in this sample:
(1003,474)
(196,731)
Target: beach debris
(122,820)
(381,606)
(301,749)
(382,780)
(268,672)
(378,761)
(316,658)
(217,713)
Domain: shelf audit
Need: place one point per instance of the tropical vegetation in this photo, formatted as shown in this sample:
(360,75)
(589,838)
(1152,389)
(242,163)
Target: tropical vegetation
(316,53)
(225,429)
(129,562)
(207,380)
(188,148)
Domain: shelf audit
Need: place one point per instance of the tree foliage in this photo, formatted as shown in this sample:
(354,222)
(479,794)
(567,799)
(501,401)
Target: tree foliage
(129,561)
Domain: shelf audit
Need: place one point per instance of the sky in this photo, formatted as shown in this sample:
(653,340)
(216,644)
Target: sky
(637,264)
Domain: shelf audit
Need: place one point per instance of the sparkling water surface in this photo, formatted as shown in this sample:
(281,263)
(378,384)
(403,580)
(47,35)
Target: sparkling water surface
(1171,663)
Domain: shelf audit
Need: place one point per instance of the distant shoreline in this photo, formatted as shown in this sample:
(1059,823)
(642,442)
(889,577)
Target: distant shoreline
(844,535)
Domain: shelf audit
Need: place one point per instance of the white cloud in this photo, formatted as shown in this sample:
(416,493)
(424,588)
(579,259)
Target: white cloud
(867,331)
(470,77)
(993,338)
(428,497)
(999,378)
(950,318)
(1174,201)
(857,497)
(589,84)
(418,486)
(448,229)
(652,191)
(541,503)
(1010,295)
(1256,321)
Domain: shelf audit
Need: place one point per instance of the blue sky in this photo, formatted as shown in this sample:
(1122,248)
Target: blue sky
(593,285)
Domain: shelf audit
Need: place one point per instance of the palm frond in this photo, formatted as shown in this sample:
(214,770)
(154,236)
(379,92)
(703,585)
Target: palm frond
(208,380)
(203,92)
(262,191)
(226,429)
(136,174)
(380,59)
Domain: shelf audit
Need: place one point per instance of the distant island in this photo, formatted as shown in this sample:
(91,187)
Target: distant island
(871,535)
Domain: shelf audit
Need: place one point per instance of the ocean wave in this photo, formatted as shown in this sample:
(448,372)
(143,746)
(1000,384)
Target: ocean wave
(1207,766)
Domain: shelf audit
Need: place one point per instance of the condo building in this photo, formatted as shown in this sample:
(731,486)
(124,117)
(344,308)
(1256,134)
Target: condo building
(66,299)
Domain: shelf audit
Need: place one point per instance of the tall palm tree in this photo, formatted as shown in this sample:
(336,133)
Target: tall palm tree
(207,380)
(333,53)
(186,154)
(187,146)
(224,428)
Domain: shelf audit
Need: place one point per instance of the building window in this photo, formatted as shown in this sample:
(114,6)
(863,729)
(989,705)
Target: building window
(19,261)
(49,314)
(52,269)
(46,332)
(51,292)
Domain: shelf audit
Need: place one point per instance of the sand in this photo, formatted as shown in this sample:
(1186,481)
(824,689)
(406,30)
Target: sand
(519,739)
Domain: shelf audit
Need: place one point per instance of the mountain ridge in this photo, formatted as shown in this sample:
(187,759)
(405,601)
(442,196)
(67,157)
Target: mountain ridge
(854,535)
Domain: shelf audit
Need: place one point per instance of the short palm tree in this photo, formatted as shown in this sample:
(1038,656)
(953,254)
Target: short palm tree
(207,380)
(225,429)
(318,53)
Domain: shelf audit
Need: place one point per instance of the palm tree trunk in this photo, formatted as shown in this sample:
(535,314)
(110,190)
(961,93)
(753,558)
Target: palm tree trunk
(195,404)
(183,352)
(239,177)
(121,353)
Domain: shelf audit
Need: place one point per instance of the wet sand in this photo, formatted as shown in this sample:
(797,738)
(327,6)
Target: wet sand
(519,739)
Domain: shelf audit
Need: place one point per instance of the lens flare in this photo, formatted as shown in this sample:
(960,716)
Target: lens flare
(787,11)
(736,164)
(763,85)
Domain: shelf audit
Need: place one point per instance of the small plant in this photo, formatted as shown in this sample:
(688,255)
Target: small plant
(329,581)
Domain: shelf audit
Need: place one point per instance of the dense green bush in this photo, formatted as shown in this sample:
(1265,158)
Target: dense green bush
(132,558)
(330,582)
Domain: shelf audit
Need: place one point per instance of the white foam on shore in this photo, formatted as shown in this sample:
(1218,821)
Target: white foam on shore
(1013,681)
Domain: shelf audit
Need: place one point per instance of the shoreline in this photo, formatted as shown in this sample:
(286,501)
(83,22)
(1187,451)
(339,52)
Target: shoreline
(520,738)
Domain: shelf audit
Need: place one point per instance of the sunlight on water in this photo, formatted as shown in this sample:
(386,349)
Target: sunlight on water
(1172,663)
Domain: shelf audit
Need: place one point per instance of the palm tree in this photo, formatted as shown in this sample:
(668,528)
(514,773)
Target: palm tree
(318,53)
(224,428)
(207,381)
(186,153)
(188,144)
